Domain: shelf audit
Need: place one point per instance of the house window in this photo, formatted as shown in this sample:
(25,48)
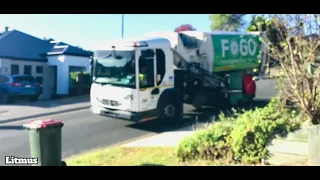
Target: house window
(39,69)
(14,69)
(27,70)
(39,79)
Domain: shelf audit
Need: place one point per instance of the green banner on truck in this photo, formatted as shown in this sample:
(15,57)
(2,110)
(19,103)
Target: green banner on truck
(236,52)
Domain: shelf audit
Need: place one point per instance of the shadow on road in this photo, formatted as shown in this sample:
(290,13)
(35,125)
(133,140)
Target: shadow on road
(194,117)
(11,128)
(157,127)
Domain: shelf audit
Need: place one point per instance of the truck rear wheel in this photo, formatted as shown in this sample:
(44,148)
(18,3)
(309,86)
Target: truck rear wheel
(171,109)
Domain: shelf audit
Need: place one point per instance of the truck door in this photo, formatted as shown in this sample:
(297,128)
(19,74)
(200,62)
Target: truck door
(148,93)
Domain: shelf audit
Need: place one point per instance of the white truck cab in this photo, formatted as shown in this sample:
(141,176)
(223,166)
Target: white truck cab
(118,69)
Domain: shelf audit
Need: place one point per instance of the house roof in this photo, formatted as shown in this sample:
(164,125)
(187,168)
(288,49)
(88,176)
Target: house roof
(18,45)
(63,48)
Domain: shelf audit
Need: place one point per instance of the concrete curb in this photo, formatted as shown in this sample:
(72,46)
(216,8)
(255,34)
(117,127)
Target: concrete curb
(122,144)
(45,114)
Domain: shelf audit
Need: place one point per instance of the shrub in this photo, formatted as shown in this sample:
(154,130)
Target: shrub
(243,136)
(254,129)
(211,143)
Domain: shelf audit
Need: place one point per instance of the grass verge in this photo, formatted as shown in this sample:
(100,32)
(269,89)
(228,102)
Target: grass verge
(129,156)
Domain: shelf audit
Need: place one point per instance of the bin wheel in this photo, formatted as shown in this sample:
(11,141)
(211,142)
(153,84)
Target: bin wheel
(63,163)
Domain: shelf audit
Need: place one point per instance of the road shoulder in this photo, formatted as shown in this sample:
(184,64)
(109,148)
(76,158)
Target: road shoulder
(22,111)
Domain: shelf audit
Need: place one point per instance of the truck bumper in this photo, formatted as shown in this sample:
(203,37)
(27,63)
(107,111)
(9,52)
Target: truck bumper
(126,115)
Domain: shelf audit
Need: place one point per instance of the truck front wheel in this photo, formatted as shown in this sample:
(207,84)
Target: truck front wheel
(171,109)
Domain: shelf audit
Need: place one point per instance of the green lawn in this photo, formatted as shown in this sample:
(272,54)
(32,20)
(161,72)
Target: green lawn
(124,156)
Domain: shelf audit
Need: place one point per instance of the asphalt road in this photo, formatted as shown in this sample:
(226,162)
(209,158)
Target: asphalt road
(83,131)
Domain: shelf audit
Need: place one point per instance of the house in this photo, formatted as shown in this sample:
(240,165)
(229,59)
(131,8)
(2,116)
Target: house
(50,62)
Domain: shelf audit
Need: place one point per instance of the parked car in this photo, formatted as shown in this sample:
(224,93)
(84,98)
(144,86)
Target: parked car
(13,87)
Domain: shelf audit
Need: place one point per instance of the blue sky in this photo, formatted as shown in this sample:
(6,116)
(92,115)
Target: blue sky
(86,30)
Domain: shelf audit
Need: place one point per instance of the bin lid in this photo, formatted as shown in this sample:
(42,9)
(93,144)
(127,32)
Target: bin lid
(38,124)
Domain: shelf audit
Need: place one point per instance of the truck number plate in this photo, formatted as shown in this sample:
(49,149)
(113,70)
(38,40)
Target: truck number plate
(111,114)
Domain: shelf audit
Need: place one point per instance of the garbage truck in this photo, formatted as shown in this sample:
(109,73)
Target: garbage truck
(151,77)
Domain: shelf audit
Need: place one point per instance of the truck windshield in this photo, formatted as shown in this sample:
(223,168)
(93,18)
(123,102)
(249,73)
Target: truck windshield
(115,68)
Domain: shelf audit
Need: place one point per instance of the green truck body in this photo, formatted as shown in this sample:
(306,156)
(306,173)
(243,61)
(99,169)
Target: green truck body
(236,52)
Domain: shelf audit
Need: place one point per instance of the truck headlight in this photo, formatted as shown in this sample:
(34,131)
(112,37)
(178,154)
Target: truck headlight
(129,97)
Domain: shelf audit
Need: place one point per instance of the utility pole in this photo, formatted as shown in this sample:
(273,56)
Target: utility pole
(122,33)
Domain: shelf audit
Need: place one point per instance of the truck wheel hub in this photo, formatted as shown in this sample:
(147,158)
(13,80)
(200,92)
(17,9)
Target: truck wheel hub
(169,110)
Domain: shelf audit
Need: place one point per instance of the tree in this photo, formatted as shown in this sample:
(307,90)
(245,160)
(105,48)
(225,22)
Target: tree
(298,54)
(227,22)
(258,23)
(185,27)
(262,23)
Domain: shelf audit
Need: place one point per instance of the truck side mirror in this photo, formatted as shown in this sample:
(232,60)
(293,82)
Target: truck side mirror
(155,91)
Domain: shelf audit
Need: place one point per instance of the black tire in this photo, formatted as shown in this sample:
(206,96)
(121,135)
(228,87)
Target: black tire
(171,109)
(6,98)
(34,98)
(63,163)
(222,102)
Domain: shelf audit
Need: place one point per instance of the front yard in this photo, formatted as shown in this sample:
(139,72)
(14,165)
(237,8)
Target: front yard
(125,156)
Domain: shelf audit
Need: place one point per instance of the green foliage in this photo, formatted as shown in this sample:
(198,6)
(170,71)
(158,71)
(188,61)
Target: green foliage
(273,28)
(227,22)
(258,23)
(86,78)
(211,143)
(254,129)
(74,75)
(244,136)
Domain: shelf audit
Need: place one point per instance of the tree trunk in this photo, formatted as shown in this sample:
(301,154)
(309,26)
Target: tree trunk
(316,119)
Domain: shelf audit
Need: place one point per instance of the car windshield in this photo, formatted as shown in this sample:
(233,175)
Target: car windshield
(115,68)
